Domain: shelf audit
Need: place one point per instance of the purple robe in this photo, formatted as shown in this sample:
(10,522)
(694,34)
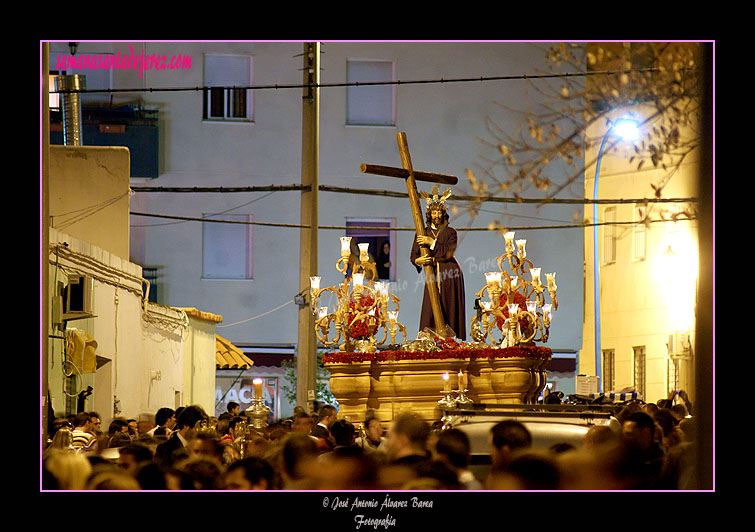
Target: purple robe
(450,282)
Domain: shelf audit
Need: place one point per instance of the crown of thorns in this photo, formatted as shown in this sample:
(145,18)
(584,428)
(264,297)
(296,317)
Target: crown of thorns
(434,199)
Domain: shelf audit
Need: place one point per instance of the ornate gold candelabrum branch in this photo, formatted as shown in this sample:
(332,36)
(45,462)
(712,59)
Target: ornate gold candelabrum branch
(361,302)
(519,326)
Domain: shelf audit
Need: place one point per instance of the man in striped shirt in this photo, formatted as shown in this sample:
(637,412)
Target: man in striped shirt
(83,431)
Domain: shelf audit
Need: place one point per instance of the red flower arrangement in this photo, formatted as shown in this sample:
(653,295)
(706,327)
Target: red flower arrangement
(359,329)
(461,350)
(519,300)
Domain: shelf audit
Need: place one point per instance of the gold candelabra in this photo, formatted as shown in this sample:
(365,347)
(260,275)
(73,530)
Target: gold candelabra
(362,305)
(515,305)
(258,412)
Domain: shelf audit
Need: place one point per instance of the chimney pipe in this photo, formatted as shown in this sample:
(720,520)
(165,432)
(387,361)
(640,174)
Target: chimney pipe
(70,104)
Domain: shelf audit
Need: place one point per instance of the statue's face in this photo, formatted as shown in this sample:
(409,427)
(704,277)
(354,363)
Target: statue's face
(436,215)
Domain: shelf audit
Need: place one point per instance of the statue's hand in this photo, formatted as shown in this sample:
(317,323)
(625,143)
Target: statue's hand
(421,261)
(425,240)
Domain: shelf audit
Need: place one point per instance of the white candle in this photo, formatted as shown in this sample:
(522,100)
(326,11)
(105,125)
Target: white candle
(358,279)
(382,288)
(364,255)
(509,238)
(446,383)
(493,277)
(257,388)
(520,246)
(535,272)
(551,278)
(314,283)
(345,246)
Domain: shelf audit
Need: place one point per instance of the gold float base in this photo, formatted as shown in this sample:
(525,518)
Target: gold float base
(393,382)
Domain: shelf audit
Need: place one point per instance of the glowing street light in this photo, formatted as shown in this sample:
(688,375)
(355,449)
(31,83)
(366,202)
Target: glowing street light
(627,129)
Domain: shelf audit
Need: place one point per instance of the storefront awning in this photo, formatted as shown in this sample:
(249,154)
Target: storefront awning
(228,356)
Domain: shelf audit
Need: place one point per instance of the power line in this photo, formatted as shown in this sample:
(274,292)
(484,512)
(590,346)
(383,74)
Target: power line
(277,86)
(394,194)
(354,227)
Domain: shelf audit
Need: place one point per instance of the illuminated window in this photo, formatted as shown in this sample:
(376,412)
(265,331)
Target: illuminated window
(609,356)
(380,240)
(639,370)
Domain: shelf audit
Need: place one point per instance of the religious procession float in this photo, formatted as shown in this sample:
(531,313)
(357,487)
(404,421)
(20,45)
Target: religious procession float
(374,366)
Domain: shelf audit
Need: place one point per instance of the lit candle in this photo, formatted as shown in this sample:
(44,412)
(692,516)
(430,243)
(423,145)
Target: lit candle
(462,381)
(520,247)
(382,288)
(446,383)
(493,277)
(535,272)
(257,388)
(345,246)
(358,279)
(314,283)
(551,278)
(364,256)
(509,238)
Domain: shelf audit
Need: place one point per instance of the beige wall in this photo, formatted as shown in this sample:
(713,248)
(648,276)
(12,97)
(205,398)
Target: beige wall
(83,181)
(199,360)
(642,301)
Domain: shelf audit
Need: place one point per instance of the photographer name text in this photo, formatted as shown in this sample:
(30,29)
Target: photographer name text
(361,520)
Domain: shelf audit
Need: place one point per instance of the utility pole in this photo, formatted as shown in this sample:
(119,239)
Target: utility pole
(306,353)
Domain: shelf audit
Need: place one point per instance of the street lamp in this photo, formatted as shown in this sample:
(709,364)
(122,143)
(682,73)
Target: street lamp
(626,129)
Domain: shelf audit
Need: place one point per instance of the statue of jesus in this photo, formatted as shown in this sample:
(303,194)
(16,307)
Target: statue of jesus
(441,241)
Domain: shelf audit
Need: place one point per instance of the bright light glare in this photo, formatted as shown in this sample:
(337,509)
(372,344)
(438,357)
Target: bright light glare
(627,129)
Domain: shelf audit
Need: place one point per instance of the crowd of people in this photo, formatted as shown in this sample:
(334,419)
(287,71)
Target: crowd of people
(187,449)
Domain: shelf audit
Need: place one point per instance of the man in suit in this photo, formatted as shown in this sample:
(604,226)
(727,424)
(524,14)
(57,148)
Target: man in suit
(177,446)
(325,419)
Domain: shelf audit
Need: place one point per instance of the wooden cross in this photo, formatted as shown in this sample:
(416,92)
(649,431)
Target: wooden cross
(411,176)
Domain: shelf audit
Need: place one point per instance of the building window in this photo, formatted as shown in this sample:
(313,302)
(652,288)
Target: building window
(150,274)
(370,105)
(609,236)
(221,101)
(639,233)
(639,370)
(380,240)
(609,357)
(227,248)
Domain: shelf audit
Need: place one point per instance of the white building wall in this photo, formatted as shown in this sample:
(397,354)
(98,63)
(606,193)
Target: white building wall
(144,345)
